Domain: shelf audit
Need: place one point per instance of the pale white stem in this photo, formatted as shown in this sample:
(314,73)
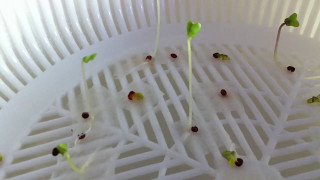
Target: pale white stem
(158,30)
(190,82)
(277,43)
(90,159)
(91,115)
(134,69)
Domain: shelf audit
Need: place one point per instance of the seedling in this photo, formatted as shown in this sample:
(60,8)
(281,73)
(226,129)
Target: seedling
(1,158)
(149,57)
(231,157)
(62,149)
(192,31)
(313,99)
(219,56)
(87,59)
(289,21)
(135,96)
(86,115)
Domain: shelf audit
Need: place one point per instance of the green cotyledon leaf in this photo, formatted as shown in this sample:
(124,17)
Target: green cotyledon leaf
(89,58)
(62,148)
(232,161)
(231,156)
(193,29)
(313,99)
(292,20)
(138,96)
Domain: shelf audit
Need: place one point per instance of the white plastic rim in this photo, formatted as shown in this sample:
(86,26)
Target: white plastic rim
(41,46)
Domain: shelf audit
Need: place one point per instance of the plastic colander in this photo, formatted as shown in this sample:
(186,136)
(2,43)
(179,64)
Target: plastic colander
(265,118)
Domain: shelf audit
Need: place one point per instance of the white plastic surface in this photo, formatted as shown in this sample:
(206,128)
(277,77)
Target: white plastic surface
(41,46)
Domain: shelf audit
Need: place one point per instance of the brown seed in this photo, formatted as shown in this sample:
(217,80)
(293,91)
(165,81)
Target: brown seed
(239,162)
(215,55)
(291,68)
(173,55)
(223,92)
(149,58)
(85,115)
(81,136)
(55,151)
(130,95)
(194,129)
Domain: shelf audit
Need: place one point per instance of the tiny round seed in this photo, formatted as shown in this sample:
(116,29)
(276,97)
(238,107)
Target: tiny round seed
(131,94)
(239,162)
(194,129)
(216,55)
(173,55)
(81,136)
(85,115)
(149,58)
(289,68)
(223,92)
(55,151)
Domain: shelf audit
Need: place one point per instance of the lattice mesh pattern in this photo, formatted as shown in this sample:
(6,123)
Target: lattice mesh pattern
(269,127)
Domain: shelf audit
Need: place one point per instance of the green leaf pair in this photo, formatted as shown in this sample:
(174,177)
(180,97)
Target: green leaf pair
(193,29)
(313,99)
(89,58)
(224,57)
(231,156)
(138,96)
(62,148)
(292,20)
(221,56)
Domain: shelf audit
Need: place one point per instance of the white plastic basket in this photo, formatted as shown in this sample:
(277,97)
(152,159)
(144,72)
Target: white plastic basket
(42,43)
